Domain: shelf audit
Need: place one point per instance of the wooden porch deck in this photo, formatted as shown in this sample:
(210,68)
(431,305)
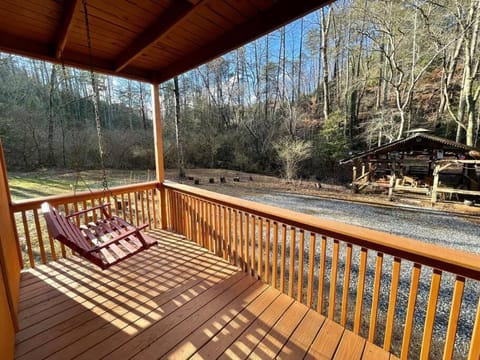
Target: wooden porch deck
(173,301)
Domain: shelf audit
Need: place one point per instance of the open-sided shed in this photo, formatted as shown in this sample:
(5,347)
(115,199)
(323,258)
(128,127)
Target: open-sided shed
(415,164)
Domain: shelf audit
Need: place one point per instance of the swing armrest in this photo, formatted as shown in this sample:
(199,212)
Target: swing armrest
(81,212)
(115,239)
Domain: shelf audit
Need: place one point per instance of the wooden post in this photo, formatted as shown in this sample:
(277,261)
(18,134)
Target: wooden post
(158,141)
(391,186)
(9,267)
(354,176)
(436,175)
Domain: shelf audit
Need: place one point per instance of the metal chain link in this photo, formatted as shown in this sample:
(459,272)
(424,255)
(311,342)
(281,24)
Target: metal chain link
(96,101)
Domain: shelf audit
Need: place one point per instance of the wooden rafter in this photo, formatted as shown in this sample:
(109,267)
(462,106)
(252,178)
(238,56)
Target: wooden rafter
(175,13)
(71,8)
(279,14)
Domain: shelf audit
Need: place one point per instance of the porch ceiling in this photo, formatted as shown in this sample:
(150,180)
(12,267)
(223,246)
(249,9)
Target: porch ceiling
(151,40)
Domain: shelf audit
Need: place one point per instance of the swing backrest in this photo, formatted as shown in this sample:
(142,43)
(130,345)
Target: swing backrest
(67,232)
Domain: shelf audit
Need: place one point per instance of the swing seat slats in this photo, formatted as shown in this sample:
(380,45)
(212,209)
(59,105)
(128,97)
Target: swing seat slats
(105,242)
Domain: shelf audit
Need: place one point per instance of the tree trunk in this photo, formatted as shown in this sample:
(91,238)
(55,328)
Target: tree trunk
(178,137)
(325,25)
(51,116)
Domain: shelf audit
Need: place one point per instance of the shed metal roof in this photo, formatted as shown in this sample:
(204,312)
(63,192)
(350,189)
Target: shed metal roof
(417,141)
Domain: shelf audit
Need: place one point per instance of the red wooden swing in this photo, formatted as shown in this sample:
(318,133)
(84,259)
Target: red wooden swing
(111,239)
(104,242)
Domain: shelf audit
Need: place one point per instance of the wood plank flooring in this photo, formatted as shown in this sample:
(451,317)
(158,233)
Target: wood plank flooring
(175,301)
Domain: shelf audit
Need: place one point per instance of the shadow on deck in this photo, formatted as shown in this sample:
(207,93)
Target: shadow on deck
(174,301)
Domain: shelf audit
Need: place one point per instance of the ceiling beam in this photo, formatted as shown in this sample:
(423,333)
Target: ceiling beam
(281,13)
(63,31)
(175,13)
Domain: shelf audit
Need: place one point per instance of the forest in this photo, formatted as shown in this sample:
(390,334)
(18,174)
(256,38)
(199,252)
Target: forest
(351,76)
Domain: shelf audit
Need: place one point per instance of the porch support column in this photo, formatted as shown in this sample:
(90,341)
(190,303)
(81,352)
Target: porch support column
(158,141)
(9,267)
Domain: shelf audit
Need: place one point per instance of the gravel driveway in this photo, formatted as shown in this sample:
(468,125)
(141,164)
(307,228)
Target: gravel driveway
(427,225)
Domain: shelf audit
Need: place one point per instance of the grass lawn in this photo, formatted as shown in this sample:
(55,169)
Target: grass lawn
(27,185)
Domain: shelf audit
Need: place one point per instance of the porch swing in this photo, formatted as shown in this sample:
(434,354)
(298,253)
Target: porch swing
(110,239)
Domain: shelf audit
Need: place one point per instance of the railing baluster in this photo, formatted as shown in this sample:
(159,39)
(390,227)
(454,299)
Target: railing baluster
(247,242)
(301,249)
(154,208)
(85,216)
(453,318)
(135,202)
(208,209)
(229,234)
(115,207)
(203,223)
(282,258)
(392,303)
(474,352)
(178,214)
(243,262)
(26,231)
(39,236)
(267,252)
(291,270)
(235,238)
(142,204)
(224,234)
(333,280)
(346,285)
(412,299)
(260,249)
(149,214)
(195,202)
(360,288)
(321,273)
(275,255)
(311,270)
(218,212)
(376,296)
(186,214)
(252,254)
(430,317)
(129,206)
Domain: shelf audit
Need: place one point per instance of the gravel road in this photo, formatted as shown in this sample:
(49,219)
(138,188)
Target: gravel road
(427,225)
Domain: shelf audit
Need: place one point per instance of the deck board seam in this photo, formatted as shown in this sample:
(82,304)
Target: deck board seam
(293,331)
(233,340)
(271,327)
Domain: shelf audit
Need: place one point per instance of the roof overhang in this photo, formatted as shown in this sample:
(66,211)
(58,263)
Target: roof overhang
(150,40)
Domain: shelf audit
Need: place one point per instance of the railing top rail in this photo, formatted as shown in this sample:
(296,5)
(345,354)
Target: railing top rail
(55,200)
(445,259)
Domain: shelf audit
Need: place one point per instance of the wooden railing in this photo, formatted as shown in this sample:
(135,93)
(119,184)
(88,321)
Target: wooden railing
(138,204)
(407,296)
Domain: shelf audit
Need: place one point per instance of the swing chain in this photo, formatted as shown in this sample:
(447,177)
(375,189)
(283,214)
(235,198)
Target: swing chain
(96,101)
